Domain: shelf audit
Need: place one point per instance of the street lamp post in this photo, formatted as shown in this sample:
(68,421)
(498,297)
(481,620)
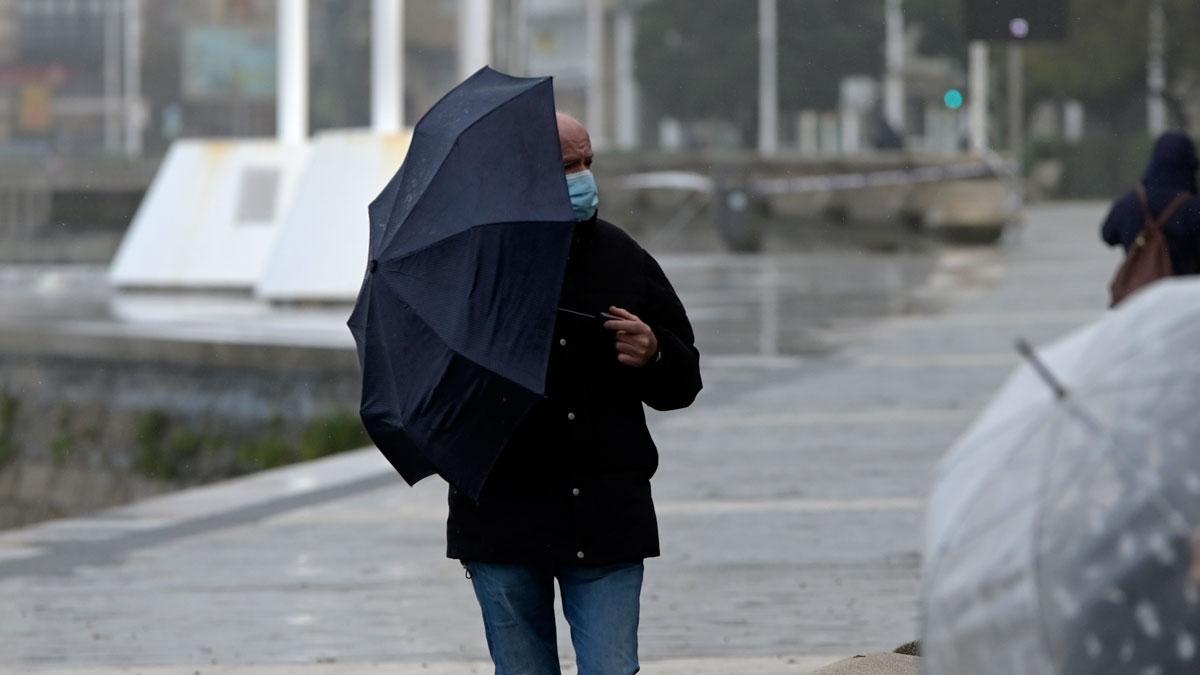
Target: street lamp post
(768,78)
(1156,71)
(893,90)
(387,66)
(628,121)
(474,36)
(291,101)
(594,21)
(980,84)
(135,120)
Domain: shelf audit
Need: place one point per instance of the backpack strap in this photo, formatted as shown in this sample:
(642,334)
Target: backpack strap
(1163,218)
(1167,213)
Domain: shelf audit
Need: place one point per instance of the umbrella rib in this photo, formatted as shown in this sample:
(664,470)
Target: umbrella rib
(390,264)
(445,342)
(1038,529)
(1087,391)
(1135,348)
(1036,425)
(388,238)
(1026,350)
(1168,510)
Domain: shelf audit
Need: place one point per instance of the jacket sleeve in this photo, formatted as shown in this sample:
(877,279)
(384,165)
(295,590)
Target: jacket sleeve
(672,380)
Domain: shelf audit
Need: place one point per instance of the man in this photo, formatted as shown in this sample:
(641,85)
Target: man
(569,498)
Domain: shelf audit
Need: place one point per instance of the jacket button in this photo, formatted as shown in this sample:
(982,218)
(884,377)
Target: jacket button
(574,492)
(571,417)
(562,342)
(579,554)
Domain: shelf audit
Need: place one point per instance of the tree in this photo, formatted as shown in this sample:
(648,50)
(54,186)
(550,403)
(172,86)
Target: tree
(1103,61)
(699,61)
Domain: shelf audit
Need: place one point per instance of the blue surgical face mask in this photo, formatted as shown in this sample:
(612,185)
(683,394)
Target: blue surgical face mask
(584,199)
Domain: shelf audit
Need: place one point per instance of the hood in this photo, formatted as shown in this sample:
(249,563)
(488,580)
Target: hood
(1173,164)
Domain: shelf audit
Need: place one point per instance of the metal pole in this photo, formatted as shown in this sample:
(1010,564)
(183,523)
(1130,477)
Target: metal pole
(979,96)
(595,72)
(387,66)
(1156,71)
(893,91)
(519,37)
(474,36)
(1016,102)
(291,101)
(112,76)
(135,119)
(628,122)
(768,78)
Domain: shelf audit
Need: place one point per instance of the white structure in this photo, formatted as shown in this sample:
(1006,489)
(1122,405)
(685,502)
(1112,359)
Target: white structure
(209,218)
(321,251)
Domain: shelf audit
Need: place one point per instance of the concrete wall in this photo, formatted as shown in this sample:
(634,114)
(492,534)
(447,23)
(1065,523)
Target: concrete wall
(87,421)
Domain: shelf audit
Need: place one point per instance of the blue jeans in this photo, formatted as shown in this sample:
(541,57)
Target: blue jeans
(601,603)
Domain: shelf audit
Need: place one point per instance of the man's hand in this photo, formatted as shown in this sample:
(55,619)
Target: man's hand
(636,344)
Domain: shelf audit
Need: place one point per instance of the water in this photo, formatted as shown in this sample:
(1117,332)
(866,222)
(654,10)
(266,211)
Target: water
(814,285)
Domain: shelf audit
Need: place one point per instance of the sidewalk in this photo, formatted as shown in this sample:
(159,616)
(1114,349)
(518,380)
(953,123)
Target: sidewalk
(790,502)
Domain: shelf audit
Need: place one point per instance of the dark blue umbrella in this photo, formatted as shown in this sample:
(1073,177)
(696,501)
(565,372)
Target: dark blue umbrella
(469,243)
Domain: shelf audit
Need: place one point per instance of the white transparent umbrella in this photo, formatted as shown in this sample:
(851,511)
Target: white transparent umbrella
(1062,527)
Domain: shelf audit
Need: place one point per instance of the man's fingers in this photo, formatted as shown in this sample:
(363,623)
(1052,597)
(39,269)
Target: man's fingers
(626,326)
(627,360)
(623,313)
(626,348)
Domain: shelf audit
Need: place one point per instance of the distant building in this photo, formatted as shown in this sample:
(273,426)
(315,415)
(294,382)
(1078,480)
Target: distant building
(206,68)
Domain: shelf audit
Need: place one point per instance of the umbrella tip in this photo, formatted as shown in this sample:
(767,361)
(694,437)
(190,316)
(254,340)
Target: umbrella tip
(1027,351)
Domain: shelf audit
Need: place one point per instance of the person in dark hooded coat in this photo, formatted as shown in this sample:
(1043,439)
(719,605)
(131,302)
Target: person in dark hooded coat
(569,498)
(1172,171)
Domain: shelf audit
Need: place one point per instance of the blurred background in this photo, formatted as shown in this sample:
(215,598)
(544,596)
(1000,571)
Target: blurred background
(183,185)
(861,203)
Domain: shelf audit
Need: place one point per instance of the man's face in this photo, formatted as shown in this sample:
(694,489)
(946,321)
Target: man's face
(575,143)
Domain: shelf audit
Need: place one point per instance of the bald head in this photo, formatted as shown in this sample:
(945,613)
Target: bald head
(575,143)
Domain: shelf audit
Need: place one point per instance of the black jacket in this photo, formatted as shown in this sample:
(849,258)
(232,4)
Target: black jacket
(1172,170)
(573,484)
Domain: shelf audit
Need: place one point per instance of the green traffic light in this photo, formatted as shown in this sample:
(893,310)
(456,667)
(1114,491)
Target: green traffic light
(954,99)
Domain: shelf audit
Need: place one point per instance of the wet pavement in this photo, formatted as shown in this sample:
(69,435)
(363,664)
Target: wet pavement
(790,496)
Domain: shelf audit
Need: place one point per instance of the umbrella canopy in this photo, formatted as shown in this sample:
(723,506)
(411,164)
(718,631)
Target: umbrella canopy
(469,242)
(1062,526)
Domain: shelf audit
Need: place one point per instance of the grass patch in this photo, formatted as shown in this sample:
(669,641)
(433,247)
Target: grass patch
(150,431)
(64,441)
(10,409)
(166,452)
(331,434)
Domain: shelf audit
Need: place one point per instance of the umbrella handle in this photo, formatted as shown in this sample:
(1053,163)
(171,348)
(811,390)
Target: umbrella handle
(604,316)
